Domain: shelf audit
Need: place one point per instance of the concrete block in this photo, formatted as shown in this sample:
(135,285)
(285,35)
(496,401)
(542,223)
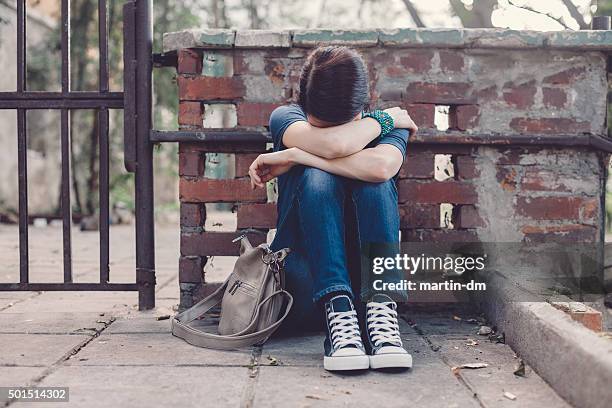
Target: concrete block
(263,39)
(313,38)
(198,38)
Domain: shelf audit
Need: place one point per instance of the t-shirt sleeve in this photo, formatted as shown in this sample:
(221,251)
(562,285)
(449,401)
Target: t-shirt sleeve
(397,138)
(280,119)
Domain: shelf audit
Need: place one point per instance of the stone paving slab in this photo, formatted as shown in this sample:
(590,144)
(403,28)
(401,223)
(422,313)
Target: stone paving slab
(313,387)
(18,377)
(82,302)
(155,386)
(491,382)
(53,323)
(149,349)
(36,349)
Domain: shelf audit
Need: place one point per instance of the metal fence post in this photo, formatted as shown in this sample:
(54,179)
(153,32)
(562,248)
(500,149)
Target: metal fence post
(145,223)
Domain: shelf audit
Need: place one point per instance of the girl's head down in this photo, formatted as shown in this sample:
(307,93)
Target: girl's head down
(333,86)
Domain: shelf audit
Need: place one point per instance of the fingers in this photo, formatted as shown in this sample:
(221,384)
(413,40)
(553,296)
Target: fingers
(253,174)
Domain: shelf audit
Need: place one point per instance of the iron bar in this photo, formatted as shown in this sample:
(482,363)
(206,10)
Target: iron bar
(66,208)
(104,194)
(145,222)
(22,160)
(68,286)
(103,46)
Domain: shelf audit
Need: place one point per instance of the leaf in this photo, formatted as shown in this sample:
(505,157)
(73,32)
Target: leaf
(519,370)
(457,318)
(474,366)
(471,342)
(273,360)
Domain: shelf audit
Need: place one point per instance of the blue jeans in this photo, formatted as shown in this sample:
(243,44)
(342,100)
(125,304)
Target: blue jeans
(334,227)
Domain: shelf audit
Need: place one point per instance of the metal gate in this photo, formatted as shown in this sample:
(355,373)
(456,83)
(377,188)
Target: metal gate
(135,100)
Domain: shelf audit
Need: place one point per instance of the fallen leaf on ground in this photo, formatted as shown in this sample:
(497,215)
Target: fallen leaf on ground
(485,330)
(273,360)
(471,342)
(474,365)
(510,396)
(315,397)
(457,318)
(519,370)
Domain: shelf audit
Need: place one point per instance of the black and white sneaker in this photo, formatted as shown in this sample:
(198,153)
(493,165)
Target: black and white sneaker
(384,343)
(343,346)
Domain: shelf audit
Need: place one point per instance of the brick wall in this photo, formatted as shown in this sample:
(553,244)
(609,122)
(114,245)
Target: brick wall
(514,87)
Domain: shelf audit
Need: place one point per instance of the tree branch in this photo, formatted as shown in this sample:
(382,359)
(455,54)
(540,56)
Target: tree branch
(543,13)
(576,14)
(414,13)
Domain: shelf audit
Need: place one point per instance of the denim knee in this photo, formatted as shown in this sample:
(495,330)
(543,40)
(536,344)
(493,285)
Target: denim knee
(379,192)
(319,185)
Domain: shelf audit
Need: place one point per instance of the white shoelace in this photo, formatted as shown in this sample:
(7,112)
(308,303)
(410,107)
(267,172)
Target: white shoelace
(344,329)
(382,324)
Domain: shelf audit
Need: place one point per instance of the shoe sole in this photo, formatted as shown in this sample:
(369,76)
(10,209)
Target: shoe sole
(346,363)
(391,361)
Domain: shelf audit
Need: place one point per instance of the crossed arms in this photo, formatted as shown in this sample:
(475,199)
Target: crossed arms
(338,150)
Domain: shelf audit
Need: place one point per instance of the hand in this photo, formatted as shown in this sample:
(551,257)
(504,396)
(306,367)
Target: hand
(270,165)
(402,120)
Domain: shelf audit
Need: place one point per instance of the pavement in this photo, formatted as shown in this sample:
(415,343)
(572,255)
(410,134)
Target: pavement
(110,354)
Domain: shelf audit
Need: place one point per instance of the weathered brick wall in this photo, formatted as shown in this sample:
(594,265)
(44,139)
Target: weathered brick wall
(496,83)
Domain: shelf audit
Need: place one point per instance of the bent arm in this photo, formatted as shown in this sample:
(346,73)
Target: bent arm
(374,165)
(332,142)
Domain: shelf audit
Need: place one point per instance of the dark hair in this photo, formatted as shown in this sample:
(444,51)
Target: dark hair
(334,84)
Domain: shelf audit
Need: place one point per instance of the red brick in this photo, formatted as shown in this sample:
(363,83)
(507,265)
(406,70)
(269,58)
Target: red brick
(215,243)
(257,215)
(550,208)
(418,61)
(441,93)
(549,125)
(193,215)
(210,88)
(536,179)
(583,314)
(439,235)
(219,190)
(589,212)
(191,269)
(223,147)
(436,192)
(189,62)
(191,164)
(243,162)
(468,217)
(520,96)
(451,61)
(422,114)
(190,114)
(507,177)
(515,155)
(554,97)
(420,165)
(569,233)
(486,94)
(255,114)
(465,167)
(565,77)
(464,117)
(419,216)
